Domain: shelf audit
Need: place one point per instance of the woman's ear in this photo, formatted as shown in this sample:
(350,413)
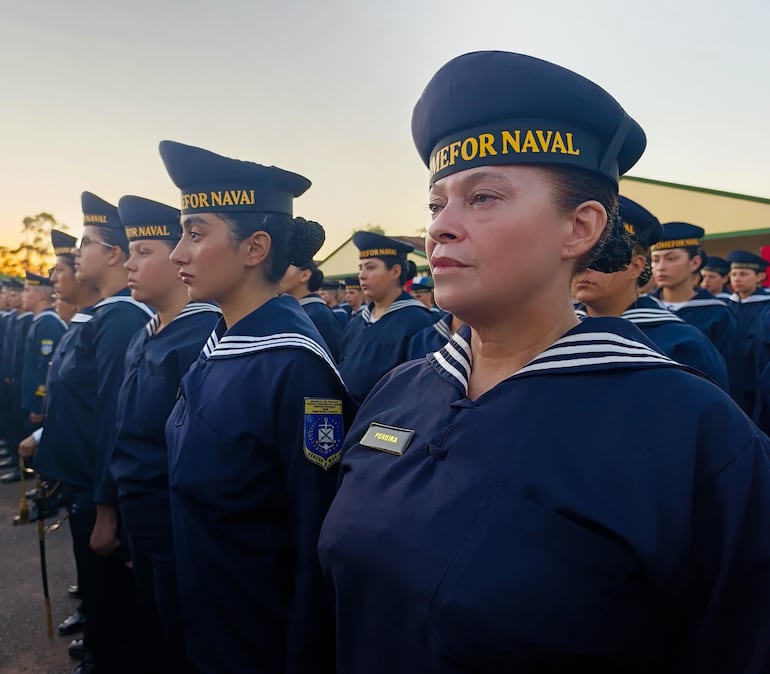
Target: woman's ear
(257,248)
(116,256)
(587,223)
(637,265)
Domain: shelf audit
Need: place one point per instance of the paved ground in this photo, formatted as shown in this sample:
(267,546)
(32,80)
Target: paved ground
(24,646)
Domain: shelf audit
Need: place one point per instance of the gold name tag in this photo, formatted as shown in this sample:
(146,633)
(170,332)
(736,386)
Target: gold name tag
(387,438)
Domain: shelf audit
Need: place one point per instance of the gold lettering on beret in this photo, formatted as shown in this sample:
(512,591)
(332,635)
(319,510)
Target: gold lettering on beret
(505,142)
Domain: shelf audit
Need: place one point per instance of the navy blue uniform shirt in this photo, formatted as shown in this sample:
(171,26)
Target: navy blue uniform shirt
(258,414)
(42,338)
(430,339)
(601,510)
(17,343)
(326,320)
(748,314)
(66,448)
(714,319)
(372,348)
(155,364)
(116,320)
(680,341)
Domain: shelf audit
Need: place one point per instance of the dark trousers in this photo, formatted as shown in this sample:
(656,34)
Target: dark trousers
(115,632)
(148,525)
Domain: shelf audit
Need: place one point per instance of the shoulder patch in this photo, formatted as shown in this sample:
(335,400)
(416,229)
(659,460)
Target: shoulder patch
(46,346)
(324,431)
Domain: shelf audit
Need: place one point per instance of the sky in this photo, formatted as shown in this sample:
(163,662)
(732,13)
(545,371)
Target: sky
(326,89)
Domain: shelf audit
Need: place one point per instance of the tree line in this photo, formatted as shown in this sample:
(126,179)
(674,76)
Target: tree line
(34,252)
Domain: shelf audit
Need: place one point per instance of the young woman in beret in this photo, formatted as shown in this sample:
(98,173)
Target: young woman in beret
(156,359)
(377,338)
(302,283)
(617,294)
(255,436)
(535,497)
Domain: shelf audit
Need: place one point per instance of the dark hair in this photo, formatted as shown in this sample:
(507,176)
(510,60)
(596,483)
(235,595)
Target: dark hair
(572,187)
(316,275)
(68,258)
(646,274)
(703,259)
(408,268)
(294,240)
(114,237)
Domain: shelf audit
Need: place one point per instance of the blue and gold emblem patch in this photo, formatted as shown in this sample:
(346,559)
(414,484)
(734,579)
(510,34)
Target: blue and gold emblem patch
(46,347)
(324,431)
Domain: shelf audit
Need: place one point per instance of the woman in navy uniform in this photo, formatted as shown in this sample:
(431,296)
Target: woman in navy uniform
(749,303)
(675,258)
(18,426)
(377,339)
(79,431)
(42,338)
(302,283)
(354,296)
(543,494)
(617,295)
(715,277)
(255,437)
(156,360)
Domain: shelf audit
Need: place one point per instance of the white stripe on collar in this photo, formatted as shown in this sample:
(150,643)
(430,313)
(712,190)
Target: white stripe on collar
(366,314)
(697,303)
(231,346)
(189,309)
(442,327)
(52,313)
(572,352)
(648,316)
(314,299)
(124,298)
(764,297)
(81,318)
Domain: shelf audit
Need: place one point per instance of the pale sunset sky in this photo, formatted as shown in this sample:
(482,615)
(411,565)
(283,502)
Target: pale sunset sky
(326,89)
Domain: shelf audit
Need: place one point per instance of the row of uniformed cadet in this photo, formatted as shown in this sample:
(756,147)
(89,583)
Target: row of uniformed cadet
(30,329)
(536,494)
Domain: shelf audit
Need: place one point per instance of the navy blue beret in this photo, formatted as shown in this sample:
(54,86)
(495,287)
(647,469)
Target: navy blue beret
(639,222)
(371,244)
(62,242)
(329,284)
(211,183)
(13,284)
(99,213)
(37,280)
(494,107)
(679,235)
(147,219)
(717,264)
(742,259)
(422,285)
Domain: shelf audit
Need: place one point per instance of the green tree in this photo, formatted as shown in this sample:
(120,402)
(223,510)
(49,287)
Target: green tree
(34,252)
(369,227)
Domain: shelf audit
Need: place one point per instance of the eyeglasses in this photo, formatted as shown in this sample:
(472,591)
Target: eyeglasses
(85,241)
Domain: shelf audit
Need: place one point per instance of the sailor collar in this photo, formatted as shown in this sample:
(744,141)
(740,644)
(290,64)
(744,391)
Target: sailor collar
(596,344)
(312,299)
(189,309)
(443,326)
(280,323)
(757,296)
(124,295)
(703,298)
(403,301)
(48,312)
